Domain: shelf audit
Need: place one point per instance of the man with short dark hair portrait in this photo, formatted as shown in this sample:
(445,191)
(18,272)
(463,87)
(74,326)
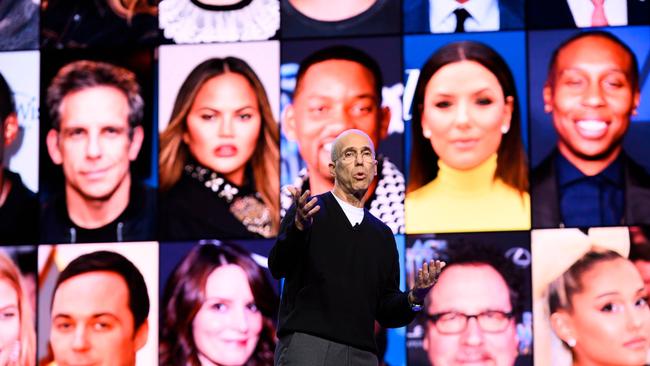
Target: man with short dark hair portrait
(99,312)
(339,88)
(18,205)
(96,111)
(472,311)
(591,92)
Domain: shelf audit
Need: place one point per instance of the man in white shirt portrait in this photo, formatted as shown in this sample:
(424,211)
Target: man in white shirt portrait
(457,16)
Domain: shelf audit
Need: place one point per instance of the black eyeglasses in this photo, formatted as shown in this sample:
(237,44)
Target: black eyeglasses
(452,322)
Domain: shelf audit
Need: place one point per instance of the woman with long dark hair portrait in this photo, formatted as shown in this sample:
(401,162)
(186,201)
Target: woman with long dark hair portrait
(468,168)
(218,309)
(219,156)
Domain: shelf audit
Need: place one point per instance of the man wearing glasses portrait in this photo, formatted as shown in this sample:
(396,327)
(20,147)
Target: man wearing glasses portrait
(472,311)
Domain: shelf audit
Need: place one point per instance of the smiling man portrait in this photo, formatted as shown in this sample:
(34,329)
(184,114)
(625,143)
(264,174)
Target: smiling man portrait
(591,92)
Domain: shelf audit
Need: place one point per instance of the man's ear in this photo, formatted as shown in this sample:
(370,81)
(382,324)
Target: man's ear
(289,122)
(52,141)
(547,93)
(332,168)
(10,129)
(384,122)
(136,142)
(141,335)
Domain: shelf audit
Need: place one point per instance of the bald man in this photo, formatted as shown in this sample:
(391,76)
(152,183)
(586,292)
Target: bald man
(341,268)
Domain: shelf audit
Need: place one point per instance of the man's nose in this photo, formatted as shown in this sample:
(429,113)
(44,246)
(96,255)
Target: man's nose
(472,335)
(93,147)
(80,342)
(358,158)
(593,95)
(340,119)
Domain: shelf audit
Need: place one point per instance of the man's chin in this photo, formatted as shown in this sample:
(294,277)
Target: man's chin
(97,191)
(359,192)
(593,154)
(99,196)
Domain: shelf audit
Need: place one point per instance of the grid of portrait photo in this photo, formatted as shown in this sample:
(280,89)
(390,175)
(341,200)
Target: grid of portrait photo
(148,150)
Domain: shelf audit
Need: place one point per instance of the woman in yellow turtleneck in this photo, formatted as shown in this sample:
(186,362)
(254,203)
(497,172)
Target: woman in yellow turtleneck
(468,167)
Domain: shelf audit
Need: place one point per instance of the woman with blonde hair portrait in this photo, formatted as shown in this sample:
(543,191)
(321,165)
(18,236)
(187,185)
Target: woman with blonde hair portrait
(219,157)
(591,305)
(17,334)
(468,168)
(218,309)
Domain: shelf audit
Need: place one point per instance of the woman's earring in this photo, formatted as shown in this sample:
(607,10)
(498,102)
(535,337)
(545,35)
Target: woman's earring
(426,133)
(505,129)
(547,108)
(571,342)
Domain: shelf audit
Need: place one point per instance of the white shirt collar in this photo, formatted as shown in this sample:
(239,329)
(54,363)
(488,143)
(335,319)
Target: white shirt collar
(354,214)
(481,11)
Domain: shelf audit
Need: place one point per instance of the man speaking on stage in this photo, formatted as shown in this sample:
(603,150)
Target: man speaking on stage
(341,268)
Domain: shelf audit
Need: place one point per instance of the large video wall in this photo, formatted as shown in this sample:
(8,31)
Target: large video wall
(147,147)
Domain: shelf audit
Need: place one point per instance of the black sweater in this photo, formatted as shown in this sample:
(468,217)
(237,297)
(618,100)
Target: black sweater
(338,278)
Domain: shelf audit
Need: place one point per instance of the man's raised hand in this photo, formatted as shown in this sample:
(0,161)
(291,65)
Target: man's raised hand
(305,210)
(425,278)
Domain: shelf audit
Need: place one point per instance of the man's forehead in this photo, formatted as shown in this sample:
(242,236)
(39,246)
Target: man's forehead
(461,283)
(88,124)
(352,140)
(350,73)
(92,291)
(593,49)
(98,93)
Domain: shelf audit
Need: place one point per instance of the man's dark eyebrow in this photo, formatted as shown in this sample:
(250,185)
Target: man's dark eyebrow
(73,128)
(105,314)
(93,316)
(66,316)
(366,95)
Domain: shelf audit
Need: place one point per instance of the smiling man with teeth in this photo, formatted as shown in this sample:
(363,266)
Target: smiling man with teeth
(591,92)
(96,111)
(339,88)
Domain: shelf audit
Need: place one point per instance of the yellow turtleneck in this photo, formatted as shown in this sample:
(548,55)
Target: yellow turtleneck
(466,201)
